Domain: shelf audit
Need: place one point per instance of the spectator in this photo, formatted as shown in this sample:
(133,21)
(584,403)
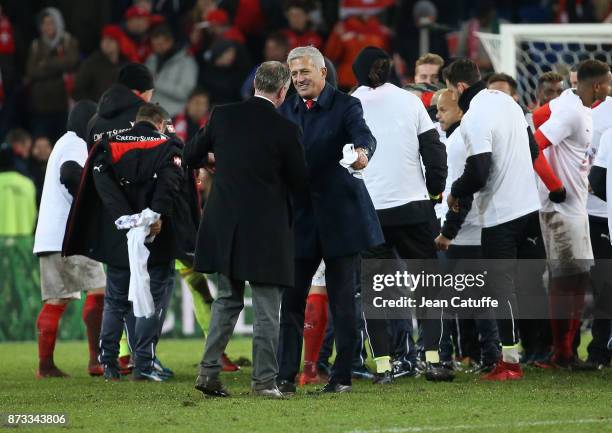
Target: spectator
(195,116)
(300,32)
(51,60)
(193,20)
(7,73)
(137,26)
(219,26)
(423,15)
(174,70)
(351,35)
(275,49)
(41,150)
(100,70)
(486,21)
(18,198)
(20,142)
(222,71)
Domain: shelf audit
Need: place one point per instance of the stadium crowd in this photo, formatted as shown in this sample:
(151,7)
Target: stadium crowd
(110,95)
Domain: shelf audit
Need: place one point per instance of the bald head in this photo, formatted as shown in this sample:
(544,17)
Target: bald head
(449,112)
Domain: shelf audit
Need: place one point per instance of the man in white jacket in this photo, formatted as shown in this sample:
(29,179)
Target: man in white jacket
(63,278)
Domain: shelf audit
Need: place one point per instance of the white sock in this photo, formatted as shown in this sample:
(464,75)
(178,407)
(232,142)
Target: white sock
(432,356)
(510,354)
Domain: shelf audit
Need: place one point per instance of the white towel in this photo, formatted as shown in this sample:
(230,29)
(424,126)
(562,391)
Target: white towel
(138,234)
(349,156)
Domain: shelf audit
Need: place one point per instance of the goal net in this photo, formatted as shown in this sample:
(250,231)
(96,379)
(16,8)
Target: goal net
(526,51)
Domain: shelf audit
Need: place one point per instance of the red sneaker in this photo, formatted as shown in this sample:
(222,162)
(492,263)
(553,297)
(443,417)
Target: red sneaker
(125,366)
(504,371)
(228,365)
(307,379)
(95,369)
(50,372)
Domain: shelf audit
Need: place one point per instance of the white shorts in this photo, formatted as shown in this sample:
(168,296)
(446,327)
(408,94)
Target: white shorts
(66,277)
(567,240)
(319,276)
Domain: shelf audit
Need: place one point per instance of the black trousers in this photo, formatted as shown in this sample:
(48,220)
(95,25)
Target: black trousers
(411,241)
(602,290)
(502,242)
(340,274)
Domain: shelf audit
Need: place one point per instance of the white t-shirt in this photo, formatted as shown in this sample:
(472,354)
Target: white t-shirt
(396,117)
(456,152)
(56,200)
(570,130)
(495,123)
(603,158)
(439,207)
(602,120)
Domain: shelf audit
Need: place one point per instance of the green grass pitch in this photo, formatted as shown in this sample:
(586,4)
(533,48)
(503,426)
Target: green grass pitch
(545,401)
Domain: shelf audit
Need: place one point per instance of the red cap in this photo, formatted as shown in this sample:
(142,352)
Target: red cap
(136,12)
(218,16)
(113,32)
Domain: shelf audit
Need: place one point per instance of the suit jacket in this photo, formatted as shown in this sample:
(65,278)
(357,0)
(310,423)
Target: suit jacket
(334,216)
(246,231)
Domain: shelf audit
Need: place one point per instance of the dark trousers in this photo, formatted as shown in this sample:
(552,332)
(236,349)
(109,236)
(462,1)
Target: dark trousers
(502,242)
(602,291)
(484,329)
(411,241)
(117,307)
(130,319)
(340,274)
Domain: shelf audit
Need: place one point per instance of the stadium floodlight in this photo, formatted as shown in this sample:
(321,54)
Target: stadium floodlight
(525,51)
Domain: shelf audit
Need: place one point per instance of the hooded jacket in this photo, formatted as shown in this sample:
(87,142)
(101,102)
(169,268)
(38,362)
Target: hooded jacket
(137,169)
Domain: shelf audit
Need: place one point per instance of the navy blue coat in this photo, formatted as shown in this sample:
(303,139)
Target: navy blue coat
(334,216)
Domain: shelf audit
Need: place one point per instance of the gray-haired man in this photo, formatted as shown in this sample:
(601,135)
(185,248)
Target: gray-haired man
(246,231)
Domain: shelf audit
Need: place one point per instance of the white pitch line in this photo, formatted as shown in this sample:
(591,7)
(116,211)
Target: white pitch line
(426,429)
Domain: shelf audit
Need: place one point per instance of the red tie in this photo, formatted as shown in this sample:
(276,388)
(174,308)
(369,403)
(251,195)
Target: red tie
(309,103)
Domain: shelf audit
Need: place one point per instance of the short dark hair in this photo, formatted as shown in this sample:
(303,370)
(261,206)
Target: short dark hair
(549,77)
(162,30)
(17,135)
(279,38)
(198,91)
(379,72)
(151,112)
(592,68)
(462,71)
(494,78)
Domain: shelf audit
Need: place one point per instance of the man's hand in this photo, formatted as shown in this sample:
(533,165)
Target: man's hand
(442,242)
(558,195)
(362,160)
(155,228)
(453,203)
(210,165)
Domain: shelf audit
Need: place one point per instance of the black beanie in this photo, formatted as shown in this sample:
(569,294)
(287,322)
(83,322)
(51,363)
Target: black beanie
(79,117)
(364,61)
(136,77)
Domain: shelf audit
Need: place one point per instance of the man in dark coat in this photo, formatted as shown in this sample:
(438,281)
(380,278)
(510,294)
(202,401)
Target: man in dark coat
(246,229)
(335,218)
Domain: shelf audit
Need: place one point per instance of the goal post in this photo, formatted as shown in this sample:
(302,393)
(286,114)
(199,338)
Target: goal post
(525,51)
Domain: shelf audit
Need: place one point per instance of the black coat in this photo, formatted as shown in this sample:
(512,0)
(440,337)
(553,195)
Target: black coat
(246,231)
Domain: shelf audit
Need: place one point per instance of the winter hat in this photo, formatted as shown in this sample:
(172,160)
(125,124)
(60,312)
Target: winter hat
(363,64)
(79,117)
(136,77)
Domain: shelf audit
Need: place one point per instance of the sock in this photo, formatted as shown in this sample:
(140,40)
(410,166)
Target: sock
(559,325)
(47,324)
(315,322)
(92,316)
(383,364)
(510,354)
(124,348)
(432,356)
(575,318)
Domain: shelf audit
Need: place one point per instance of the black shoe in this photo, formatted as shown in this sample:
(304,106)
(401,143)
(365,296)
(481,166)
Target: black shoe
(150,375)
(362,373)
(383,378)
(437,373)
(482,367)
(336,388)
(589,365)
(163,371)
(404,368)
(324,369)
(286,387)
(111,373)
(272,392)
(212,386)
